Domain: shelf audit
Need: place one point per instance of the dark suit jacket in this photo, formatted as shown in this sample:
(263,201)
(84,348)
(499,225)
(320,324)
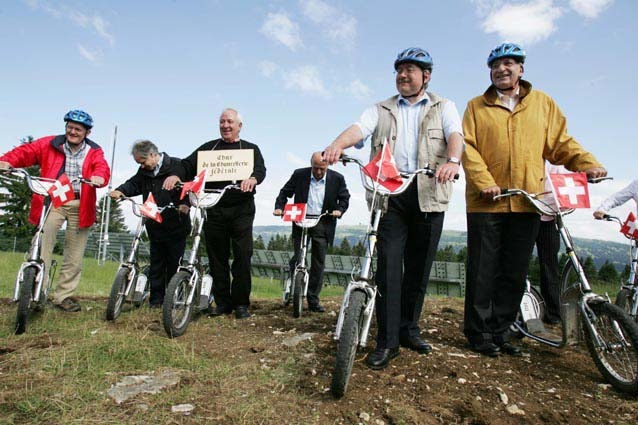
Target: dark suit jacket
(336,195)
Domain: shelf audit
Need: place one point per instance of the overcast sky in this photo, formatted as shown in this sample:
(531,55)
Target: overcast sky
(301,71)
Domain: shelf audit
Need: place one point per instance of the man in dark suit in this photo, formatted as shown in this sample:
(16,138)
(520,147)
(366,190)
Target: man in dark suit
(322,190)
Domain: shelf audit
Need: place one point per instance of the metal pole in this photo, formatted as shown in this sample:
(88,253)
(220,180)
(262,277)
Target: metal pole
(104,240)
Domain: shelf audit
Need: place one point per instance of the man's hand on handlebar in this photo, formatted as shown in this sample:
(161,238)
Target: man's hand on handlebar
(96,181)
(332,154)
(116,194)
(278,213)
(248,184)
(170,182)
(490,192)
(446,172)
(599,215)
(594,173)
(336,213)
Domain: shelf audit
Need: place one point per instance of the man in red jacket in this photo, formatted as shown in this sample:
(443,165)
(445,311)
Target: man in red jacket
(75,155)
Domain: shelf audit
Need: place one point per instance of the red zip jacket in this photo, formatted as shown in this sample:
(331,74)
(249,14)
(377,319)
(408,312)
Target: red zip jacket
(48,152)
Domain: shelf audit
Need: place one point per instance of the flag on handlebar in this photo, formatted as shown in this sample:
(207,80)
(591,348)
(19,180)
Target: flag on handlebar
(150,210)
(571,190)
(61,191)
(294,212)
(195,186)
(383,169)
(629,228)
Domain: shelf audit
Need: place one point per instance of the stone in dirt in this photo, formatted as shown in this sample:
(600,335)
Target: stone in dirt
(132,385)
(295,340)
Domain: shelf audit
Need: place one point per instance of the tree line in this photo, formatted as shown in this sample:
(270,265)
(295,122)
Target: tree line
(607,273)
(15,202)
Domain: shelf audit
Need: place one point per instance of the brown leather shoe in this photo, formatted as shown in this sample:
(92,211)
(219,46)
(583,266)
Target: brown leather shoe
(69,305)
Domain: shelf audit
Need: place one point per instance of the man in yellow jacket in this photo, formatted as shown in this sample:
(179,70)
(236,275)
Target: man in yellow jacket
(510,131)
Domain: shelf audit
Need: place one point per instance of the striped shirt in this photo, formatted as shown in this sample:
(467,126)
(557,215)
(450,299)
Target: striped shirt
(73,163)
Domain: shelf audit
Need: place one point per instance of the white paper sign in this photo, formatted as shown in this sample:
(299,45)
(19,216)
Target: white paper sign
(231,164)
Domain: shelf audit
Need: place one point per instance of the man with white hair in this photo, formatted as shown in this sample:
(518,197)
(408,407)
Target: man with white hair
(230,221)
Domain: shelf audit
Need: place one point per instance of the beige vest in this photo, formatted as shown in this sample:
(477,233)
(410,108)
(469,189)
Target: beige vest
(432,149)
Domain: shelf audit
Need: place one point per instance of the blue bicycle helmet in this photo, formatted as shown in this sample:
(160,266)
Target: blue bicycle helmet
(414,55)
(506,50)
(80,117)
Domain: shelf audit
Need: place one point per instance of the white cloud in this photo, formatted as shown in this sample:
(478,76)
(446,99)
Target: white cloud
(267,68)
(590,9)
(92,55)
(338,26)
(359,90)
(296,161)
(307,80)
(96,23)
(279,27)
(525,23)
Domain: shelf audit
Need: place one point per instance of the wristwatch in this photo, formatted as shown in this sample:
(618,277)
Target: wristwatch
(454,160)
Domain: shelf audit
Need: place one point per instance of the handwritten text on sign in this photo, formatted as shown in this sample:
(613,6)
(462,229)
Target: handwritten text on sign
(232,164)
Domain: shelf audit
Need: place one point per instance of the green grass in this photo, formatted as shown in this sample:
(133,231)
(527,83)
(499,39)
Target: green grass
(97,279)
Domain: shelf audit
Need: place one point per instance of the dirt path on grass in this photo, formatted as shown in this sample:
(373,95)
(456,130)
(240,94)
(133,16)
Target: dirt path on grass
(274,369)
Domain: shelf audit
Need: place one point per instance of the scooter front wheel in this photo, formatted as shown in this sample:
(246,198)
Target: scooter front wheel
(616,356)
(297,294)
(348,343)
(177,311)
(118,293)
(24,302)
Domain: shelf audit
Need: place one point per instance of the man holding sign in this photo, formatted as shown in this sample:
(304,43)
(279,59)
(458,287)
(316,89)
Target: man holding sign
(321,190)
(227,160)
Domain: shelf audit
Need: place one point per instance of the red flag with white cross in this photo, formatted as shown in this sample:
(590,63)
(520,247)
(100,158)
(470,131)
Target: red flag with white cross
(571,190)
(383,169)
(61,191)
(294,212)
(629,228)
(195,186)
(150,209)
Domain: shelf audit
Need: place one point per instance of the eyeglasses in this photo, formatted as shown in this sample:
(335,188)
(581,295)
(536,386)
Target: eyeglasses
(409,69)
(507,62)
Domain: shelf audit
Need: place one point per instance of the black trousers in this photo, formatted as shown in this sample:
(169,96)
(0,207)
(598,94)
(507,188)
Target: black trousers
(407,243)
(226,228)
(547,246)
(499,246)
(319,240)
(165,258)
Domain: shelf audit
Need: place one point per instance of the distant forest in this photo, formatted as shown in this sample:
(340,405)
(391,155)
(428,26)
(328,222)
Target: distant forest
(603,260)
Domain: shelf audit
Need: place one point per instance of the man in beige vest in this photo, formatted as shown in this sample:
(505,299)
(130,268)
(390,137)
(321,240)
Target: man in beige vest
(421,128)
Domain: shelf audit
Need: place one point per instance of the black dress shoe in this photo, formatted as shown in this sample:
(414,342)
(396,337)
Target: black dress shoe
(379,358)
(219,310)
(241,312)
(316,308)
(486,348)
(417,344)
(511,349)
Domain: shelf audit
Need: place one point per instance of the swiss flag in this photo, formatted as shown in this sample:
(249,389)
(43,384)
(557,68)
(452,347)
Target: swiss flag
(383,169)
(571,190)
(195,186)
(629,228)
(294,212)
(61,191)
(150,210)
